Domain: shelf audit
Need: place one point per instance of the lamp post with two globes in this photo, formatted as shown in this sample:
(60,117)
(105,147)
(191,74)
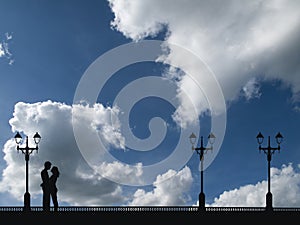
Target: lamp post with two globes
(27,151)
(269,151)
(201,151)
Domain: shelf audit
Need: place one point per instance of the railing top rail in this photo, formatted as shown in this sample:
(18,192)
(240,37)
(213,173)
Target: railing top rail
(147,209)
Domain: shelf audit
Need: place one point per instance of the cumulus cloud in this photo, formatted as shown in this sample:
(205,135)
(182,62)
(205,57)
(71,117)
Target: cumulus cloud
(238,40)
(285,189)
(81,185)
(53,121)
(171,192)
(117,170)
(78,184)
(97,118)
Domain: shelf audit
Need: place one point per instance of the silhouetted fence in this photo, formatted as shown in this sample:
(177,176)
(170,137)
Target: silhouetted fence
(148,209)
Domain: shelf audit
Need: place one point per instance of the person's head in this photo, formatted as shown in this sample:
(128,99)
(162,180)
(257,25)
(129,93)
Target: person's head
(55,171)
(47,165)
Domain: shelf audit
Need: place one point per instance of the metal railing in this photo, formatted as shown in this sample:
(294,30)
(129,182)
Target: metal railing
(148,209)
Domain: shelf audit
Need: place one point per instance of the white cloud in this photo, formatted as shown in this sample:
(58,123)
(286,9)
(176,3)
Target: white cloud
(238,40)
(78,184)
(4,48)
(117,171)
(146,27)
(53,121)
(285,188)
(2,53)
(251,89)
(98,119)
(171,192)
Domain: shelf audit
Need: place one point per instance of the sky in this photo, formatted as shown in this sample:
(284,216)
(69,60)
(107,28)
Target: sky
(115,88)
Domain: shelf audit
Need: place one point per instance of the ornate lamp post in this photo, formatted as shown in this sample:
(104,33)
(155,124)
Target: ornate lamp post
(27,151)
(269,151)
(201,151)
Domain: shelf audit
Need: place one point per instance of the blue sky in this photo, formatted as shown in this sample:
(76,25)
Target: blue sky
(83,74)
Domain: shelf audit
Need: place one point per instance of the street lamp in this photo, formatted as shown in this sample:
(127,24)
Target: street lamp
(27,151)
(269,151)
(201,151)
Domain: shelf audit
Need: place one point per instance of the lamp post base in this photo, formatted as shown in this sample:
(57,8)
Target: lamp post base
(26,202)
(269,206)
(201,202)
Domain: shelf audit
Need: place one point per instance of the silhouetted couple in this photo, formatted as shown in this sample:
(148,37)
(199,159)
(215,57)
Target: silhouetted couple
(49,186)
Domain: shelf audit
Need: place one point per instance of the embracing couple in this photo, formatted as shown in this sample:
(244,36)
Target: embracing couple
(49,186)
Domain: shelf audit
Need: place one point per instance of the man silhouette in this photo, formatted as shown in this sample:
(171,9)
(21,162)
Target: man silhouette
(45,186)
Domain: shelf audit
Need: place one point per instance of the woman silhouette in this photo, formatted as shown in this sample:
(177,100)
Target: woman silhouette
(53,188)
